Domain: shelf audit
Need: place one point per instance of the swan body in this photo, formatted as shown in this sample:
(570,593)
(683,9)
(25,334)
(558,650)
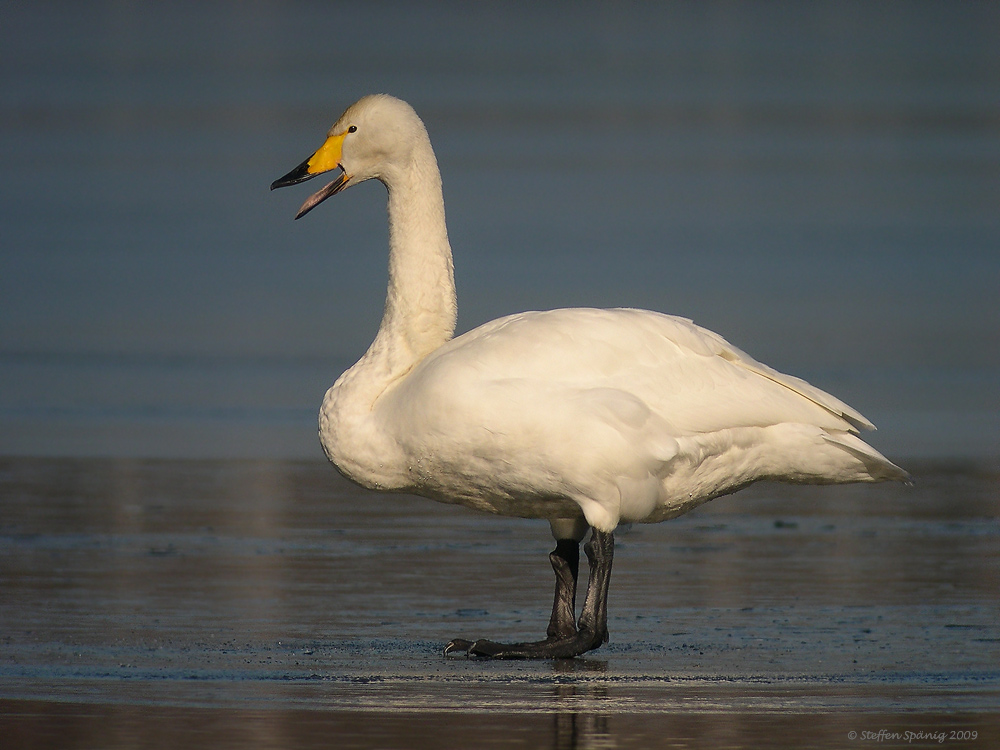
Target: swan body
(584,417)
(565,413)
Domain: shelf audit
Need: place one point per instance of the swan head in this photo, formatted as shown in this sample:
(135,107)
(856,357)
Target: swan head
(374,138)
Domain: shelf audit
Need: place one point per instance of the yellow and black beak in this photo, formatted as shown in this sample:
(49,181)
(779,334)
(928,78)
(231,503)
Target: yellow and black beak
(325,159)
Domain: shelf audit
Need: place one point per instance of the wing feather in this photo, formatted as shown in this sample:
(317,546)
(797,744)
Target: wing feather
(689,376)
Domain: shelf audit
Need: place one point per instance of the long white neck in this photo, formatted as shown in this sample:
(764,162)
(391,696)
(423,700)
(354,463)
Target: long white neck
(420,305)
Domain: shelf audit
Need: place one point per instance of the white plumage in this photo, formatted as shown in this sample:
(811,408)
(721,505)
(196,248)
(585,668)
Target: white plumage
(583,417)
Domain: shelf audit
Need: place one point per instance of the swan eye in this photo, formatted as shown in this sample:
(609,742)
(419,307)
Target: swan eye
(352,129)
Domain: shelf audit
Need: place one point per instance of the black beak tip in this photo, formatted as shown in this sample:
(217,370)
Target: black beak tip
(297,175)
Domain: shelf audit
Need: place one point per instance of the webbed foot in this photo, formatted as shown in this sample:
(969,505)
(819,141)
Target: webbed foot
(551,648)
(566,640)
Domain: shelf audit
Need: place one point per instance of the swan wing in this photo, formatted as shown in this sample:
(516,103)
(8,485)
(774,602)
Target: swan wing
(688,375)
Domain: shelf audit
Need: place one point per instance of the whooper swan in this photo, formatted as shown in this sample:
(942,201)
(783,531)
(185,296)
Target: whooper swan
(586,418)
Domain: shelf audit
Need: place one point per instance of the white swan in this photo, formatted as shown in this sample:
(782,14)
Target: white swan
(586,418)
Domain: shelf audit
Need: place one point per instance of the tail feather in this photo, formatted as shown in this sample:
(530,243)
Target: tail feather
(879,468)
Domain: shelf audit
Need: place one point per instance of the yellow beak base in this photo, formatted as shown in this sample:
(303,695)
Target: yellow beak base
(327,157)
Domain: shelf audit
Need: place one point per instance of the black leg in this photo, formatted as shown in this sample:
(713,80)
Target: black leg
(569,641)
(594,618)
(565,559)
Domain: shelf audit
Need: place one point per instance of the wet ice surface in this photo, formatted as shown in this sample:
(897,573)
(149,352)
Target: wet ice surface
(276,596)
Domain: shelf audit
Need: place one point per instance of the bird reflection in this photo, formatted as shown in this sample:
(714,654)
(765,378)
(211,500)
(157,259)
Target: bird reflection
(579,723)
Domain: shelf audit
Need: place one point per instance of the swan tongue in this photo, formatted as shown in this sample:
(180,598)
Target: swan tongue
(321,195)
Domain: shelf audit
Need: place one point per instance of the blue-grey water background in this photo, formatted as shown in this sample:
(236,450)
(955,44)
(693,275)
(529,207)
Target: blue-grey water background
(818,182)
